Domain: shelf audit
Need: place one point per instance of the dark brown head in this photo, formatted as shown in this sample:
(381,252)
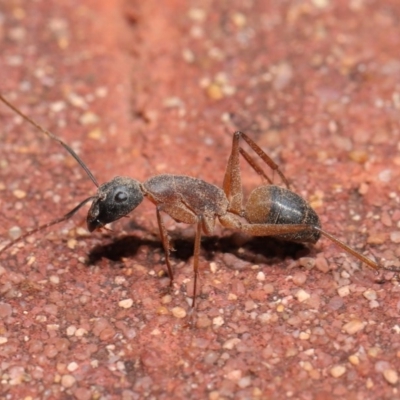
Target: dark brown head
(114,200)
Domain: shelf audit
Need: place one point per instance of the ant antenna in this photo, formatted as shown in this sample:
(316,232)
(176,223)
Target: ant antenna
(73,154)
(50,135)
(48,224)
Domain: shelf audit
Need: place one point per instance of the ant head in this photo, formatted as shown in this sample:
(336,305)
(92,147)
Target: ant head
(114,200)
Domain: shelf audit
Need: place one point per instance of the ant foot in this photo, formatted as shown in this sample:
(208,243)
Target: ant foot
(386,275)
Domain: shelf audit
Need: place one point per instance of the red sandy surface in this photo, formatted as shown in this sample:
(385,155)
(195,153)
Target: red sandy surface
(144,88)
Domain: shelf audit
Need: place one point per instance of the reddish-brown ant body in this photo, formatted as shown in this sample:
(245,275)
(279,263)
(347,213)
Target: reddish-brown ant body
(271,210)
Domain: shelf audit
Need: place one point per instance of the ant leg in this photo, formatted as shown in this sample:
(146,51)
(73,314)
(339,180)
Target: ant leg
(349,250)
(273,229)
(231,221)
(232,184)
(166,244)
(255,166)
(196,255)
(356,254)
(232,180)
(268,160)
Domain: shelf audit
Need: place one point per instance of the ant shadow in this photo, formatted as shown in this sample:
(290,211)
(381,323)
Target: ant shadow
(266,250)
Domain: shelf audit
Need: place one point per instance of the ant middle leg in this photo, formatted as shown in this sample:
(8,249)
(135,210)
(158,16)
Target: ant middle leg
(166,244)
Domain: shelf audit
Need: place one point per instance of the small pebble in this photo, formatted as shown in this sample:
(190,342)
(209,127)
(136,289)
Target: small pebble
(354,359)
(260,276)
(166,299)
(14,232)
(218,321)
(178,312)
(391,376)
(55,279)
(84,394)
(71,243)
(19,194)
(374,304)
(88,118)
(353,326)
(162,310)
(80,332)
(359,156)
(67,381)
(302,295)
(126,303)
(244,382)
(344,291)
(77,100)
(307,262)
(369,384)
(197,14)
(231,343)
(57,106)
(385,175)
(304,335)
(335,303)
(377,238)
(299,278)
(214,92)
(370,294)
(188,55)
(337,371)
(71,330)
(72,366)
(395,237)
(321,264)
(268,288)
(386,219)
(95,134)
(363,189)
(375,352)
(214,395)
(239,19)
(234,375)
(213,267)
(5,310)
(119,280)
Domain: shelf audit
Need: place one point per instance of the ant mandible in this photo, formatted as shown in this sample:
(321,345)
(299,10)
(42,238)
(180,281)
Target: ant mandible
(271,210)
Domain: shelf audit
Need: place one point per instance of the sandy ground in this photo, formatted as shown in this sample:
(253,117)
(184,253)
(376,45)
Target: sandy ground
(146,88)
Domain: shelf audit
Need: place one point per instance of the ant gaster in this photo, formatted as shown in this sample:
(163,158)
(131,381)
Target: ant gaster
(270,210)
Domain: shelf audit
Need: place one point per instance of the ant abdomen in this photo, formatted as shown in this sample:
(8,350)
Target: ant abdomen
(280,206)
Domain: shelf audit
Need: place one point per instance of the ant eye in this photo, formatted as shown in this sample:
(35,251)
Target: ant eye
(120,197)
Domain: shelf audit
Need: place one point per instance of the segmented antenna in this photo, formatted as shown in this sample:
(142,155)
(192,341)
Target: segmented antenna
(51,136)
(47,225)
(73,154)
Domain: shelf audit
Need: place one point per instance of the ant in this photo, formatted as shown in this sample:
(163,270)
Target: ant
(270,210)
